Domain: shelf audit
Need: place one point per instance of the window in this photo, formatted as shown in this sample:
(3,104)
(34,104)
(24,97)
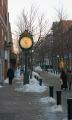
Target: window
(2,3)
(5,19)
(5,37)
(2,32)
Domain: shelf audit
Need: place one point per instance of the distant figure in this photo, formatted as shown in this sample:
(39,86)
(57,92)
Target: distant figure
(21,71)
(64,79)
(10,75)
(69,76)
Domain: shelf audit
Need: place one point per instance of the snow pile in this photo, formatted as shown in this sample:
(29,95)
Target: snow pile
(38,68)
(6,80)
(33,86)
(52,102)
(1,86)
(17,74)
(56,108)
(49,100)
(35,74)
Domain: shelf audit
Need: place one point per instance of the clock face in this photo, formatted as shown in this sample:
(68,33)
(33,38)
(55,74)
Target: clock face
(26,42)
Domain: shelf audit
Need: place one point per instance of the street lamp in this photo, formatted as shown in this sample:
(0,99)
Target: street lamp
(57,63)
(26,43)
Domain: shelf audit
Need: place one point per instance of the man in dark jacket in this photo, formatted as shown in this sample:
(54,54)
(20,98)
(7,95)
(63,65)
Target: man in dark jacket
(64,79)
(69,76)
(10,75)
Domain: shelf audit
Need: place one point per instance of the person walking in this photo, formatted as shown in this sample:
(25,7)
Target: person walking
(64,79)
(69,76)
(10,75)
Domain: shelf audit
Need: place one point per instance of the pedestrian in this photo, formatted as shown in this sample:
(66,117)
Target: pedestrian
(69,76)
(10,75)
(63,77)
(21,71)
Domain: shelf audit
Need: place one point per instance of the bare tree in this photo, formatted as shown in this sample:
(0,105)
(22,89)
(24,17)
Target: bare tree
(42,26)
(38,25)
(61,14)
(32,22)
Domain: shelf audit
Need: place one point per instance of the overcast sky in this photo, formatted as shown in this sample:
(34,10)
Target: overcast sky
(44,6)
(48,7)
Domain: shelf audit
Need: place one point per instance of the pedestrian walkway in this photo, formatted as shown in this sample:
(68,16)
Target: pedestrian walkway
(25,106)
(18,106)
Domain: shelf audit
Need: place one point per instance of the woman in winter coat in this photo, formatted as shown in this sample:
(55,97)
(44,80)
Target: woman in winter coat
(10,75)
(64,79)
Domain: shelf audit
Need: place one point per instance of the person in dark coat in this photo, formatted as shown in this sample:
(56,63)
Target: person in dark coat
(69,76)
(10,75)
(64,79)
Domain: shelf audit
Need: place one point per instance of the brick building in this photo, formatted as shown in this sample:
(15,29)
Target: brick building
(62,41)
(5,39)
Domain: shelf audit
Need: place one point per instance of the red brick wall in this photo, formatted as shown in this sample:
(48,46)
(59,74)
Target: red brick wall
(3,28)
(3,24)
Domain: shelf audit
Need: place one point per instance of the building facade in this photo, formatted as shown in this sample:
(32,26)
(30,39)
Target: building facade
(4,39)
(62,43)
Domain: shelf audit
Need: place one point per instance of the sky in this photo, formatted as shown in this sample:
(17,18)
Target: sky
(48,7)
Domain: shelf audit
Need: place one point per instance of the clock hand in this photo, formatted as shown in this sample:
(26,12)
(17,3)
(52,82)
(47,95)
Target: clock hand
(26,42)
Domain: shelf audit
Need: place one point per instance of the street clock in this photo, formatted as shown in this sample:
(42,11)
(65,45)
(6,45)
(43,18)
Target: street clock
(26,41)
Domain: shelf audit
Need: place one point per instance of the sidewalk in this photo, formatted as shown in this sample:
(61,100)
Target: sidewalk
(18,106)
(25,106)
(53,80)
(65,94)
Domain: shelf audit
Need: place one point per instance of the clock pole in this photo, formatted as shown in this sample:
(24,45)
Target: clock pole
(26,43)
(26,73)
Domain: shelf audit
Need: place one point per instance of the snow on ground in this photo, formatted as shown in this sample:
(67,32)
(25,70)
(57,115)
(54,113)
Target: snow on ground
(52,102)
(33,86)
(6,81)
(35,74)
(56,108)
(1,86)
(38,68)
(46,100)
(17,74)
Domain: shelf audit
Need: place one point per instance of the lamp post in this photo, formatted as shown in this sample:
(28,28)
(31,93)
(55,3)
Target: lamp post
(26,43)
(58,63)
(31,63)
